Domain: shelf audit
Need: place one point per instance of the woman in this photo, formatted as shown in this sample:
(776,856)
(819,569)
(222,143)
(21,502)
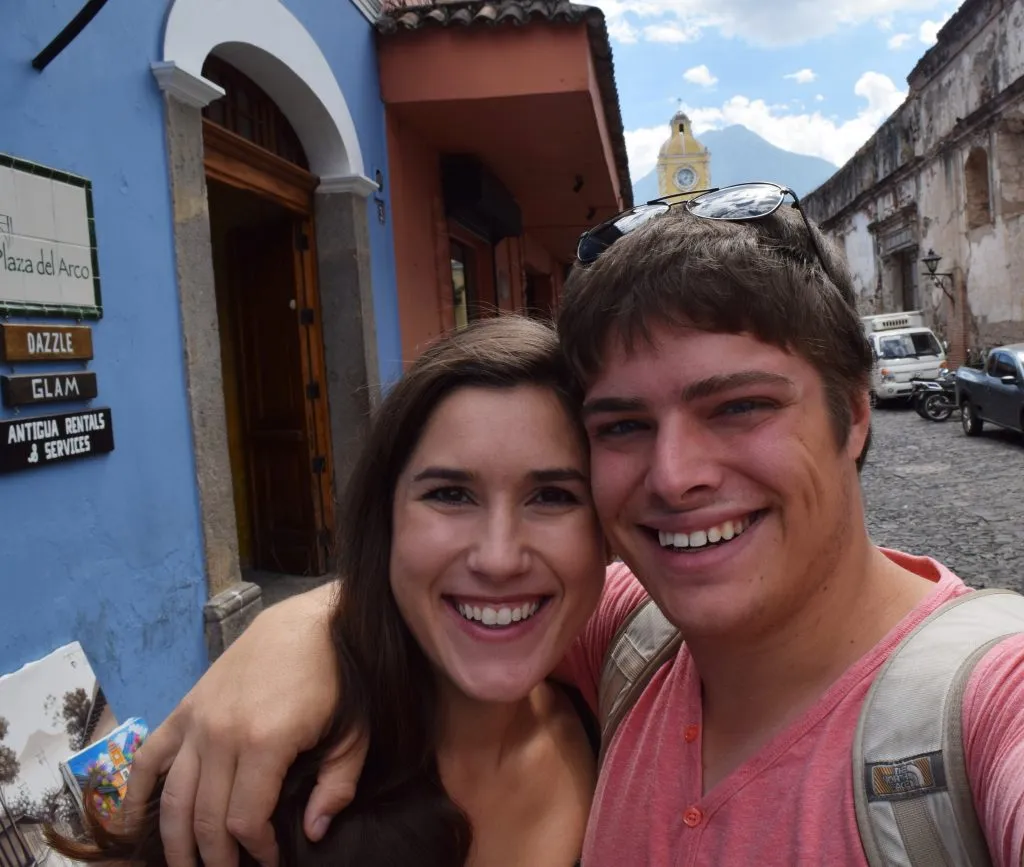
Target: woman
(472,558)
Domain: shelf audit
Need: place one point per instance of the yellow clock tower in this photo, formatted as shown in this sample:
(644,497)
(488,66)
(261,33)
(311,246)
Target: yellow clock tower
(684,164)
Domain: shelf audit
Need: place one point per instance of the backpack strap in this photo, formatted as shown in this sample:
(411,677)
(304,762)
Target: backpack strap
(644,643)
(911,791)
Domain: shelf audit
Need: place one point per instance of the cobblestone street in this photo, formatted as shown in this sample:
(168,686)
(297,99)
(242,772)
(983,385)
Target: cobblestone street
(932,490)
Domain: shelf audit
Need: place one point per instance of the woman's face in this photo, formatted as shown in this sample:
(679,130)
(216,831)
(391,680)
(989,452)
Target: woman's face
(497,560)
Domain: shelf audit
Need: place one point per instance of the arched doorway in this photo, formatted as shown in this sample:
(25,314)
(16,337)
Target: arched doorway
(264,42)
(262,235)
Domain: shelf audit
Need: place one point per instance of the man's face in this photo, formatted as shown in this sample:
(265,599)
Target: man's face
(718,479)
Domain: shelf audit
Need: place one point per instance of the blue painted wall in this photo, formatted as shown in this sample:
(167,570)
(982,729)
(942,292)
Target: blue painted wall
(108,550)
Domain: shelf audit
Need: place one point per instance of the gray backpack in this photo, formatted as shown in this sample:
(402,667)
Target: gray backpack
(911,791)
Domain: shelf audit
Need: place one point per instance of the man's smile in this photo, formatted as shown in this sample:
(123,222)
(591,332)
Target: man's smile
(716,534)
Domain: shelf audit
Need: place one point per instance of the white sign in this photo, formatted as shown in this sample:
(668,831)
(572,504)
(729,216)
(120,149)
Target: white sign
(46,249)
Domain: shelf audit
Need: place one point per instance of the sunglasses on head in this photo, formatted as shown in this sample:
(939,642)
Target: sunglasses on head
(736,203)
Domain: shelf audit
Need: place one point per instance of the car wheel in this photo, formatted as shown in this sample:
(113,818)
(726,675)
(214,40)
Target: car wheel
(971,423)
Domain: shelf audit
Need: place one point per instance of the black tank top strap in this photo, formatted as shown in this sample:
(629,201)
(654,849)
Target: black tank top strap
(586,715)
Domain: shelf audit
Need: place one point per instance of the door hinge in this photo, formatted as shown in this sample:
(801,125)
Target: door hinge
(301,240)
(313,390)
(306,316)
(319,464)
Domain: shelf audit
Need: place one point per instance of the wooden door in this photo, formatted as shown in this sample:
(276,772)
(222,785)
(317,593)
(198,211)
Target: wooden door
(278,340)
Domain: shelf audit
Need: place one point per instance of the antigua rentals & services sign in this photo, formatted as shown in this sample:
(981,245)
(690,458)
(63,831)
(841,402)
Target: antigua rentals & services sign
(31,443)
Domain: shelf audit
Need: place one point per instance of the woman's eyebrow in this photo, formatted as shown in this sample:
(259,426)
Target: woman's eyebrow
(446,474)
(559,474)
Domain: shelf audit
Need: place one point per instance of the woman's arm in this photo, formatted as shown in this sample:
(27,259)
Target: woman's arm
(226,748)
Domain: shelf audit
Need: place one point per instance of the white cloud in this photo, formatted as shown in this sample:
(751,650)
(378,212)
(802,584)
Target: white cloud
(898,40)
(781,23)
(808,133)
(819,98)
(670,32)
(700,75)
(928,33)
(803,76)
(884,22)
(622,31)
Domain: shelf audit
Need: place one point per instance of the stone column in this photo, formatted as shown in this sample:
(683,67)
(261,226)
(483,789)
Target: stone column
(232,603)
(349,328)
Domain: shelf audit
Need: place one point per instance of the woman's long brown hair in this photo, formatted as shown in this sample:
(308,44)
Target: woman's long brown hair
(401,814)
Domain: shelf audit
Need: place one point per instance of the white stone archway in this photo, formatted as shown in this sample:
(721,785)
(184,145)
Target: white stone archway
(264,40)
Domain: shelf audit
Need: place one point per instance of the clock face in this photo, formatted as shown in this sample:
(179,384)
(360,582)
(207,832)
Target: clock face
(686,179)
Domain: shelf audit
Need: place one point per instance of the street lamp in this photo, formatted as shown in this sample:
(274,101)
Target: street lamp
(939,278)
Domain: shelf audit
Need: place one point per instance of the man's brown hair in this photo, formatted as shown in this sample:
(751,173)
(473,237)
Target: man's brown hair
(762,277)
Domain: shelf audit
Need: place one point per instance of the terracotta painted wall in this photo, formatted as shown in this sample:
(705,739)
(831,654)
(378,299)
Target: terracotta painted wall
(421,256)
(422,263)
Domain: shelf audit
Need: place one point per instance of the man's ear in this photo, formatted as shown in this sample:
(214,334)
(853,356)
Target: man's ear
(859,439)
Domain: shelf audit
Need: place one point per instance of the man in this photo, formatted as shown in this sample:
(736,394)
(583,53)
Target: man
(726,380)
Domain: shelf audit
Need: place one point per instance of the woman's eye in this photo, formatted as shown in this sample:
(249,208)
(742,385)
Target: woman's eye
(620,428)
(450,496)
(556,497)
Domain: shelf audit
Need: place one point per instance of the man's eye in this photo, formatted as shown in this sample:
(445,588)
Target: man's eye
(742,407)
(556,497)
(449,495)
(620,428)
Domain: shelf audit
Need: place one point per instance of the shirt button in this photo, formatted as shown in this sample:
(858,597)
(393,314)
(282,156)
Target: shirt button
(690,733)
(693,817)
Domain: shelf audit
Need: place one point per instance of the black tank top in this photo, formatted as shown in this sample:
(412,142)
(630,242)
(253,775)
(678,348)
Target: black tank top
(589,721)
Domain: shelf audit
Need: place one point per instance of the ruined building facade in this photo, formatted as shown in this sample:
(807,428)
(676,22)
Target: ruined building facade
(945,173)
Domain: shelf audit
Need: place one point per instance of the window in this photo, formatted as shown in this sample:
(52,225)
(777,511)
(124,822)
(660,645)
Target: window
(473,276)
(976,186)
(913,345)
(1004,366)
(461,283)
(908,279)
(247,111)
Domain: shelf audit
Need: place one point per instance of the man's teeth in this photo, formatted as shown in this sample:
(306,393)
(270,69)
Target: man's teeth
(699,539)
(501,616)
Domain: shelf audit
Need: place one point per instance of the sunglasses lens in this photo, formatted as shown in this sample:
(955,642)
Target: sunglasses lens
(599,239)
(741,202)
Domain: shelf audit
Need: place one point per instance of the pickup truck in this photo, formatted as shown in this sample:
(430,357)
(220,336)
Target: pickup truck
(995,394)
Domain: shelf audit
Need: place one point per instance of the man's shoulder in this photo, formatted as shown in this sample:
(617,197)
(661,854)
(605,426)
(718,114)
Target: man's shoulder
(622,595)
(620,579)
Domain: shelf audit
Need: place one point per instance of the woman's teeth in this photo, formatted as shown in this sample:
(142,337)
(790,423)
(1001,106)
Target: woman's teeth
(497,617)
(702,538)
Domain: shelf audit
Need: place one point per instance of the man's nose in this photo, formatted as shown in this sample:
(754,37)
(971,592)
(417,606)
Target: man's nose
(501,551)
(683,462)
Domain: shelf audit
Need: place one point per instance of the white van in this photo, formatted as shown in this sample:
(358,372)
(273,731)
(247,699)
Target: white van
(904,349)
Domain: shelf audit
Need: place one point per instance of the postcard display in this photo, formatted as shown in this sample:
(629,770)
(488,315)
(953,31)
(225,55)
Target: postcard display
(59,742)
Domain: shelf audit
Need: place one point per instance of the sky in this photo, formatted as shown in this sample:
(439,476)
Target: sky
(811,76)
